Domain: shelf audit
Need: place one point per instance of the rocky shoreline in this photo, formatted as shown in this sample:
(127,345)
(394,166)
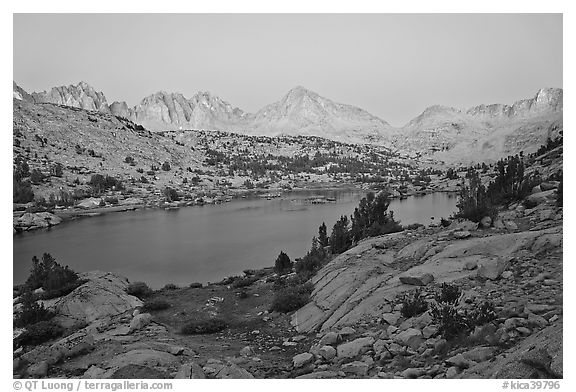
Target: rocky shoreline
(352,328)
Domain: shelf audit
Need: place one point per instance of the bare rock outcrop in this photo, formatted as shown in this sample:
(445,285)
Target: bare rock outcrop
(101,296)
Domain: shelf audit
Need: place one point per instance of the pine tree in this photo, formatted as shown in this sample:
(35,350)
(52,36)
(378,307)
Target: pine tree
(323,235)
(283,264)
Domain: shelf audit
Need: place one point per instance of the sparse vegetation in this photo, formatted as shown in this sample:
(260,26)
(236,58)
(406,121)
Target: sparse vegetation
(39,333)
(155,305)
(202,327)
(139,290)
(448,294)
(290,298)
(413,304)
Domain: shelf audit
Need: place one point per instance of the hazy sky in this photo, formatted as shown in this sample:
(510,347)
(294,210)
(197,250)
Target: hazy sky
(393,65)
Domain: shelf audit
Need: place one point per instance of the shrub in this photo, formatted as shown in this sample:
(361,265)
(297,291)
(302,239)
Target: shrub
(31,311)
(413,304)
(448,294)
(451,323)
(170,194)
(283,264)
(155,304)
(22,191)
(139,289)
(111,200)
(52,277)
(201,327)
(166,166)
(196,285)
(291,298)
(445,222)
(244,281)
(481,314)
(39,333)
(413,226)
(170,286)
(36,177)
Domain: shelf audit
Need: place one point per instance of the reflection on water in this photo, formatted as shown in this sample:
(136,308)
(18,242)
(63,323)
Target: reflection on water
(200,244)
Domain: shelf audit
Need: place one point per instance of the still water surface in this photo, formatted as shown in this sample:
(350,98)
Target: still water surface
(201,244)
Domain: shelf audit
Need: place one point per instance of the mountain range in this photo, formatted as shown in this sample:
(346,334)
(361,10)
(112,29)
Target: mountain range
(443,133)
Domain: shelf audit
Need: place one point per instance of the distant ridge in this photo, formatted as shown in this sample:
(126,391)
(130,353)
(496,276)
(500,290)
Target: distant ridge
(441,132)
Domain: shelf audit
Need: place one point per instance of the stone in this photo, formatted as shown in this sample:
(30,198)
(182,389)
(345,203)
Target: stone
(541,197)
(459,235)
(510,225)
(479,354)
(486,222)
(549,185)
(232,371)
(429,331)
(391,318)
(421,280)
(329,339)
(357,368)
(303,359)
(35,220)
(144,357)
(524,331)
(506,274)
(38,370)
(327,352)
(498,224)
(391,330)
(452,372)
(471,265)
(355,347)
(546,215)
(140,321)
(94,372)
(289,344)
(346,331)
(459,361)
(537,320)
(513,322)
(539,308)
(247,352)
(491,268)
(411,337)
(380,346)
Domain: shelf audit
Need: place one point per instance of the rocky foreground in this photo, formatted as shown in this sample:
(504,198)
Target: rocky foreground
(352,328)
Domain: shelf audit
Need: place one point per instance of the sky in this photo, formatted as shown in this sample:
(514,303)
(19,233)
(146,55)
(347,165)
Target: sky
(392,65)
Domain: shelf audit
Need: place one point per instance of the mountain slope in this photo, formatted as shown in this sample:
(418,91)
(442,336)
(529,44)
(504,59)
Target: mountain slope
(484,132)
(303,112)
(81,96)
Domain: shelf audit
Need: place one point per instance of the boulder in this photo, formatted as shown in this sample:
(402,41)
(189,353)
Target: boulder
(411,337)
(421,280)
(356,368)
(232,371)
(144,357)
(140,321)
(355,347)
(327,352)
(329,338)
(542,197)
(89,203)
(549,185)
(486,222)
(303,359)
(491,268)
(459,235)
(463,226)
(459,361)
(479,354)
(247,352)
(35,220)
(103,295)
(510,225)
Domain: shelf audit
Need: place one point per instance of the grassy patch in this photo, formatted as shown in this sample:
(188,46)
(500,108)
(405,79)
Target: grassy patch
(201,327)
